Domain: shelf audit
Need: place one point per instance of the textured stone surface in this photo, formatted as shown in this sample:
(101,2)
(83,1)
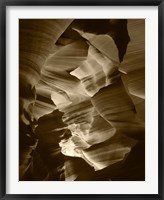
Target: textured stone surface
(81,99)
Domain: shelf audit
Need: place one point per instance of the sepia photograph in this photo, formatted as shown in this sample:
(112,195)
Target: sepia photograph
(82,99)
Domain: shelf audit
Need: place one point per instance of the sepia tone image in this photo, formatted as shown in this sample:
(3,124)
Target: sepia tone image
(81,100)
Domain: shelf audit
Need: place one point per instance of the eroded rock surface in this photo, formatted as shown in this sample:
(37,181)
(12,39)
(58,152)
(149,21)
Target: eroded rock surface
(82,99)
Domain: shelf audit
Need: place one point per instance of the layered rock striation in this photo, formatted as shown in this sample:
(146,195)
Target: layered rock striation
(81,99)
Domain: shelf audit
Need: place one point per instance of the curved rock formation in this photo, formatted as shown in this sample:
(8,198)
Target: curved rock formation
(81,99)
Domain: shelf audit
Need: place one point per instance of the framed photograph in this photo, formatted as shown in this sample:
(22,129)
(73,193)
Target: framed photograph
(81,99)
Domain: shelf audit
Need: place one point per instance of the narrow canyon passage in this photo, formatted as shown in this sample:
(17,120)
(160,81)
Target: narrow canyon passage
(81,100)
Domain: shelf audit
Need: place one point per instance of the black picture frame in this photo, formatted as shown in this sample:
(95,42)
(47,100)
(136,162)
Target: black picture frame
(3,5)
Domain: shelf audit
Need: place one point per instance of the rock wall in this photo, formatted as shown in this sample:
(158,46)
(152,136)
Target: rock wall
(81,99)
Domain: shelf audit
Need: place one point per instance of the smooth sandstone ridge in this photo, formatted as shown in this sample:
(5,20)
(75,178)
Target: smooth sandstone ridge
(81,99)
